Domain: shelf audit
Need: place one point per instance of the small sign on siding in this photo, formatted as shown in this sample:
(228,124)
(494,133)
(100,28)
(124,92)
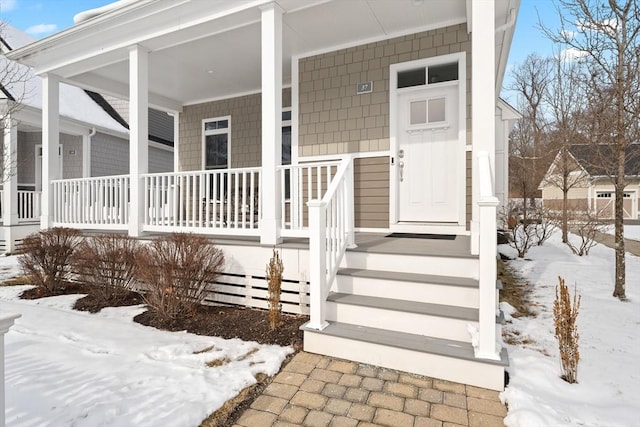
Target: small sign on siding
(366,87)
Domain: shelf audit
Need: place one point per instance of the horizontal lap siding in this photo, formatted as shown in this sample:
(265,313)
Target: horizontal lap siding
(371,192)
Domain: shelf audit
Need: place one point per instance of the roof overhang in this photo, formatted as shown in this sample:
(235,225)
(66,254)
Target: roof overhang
(203,50)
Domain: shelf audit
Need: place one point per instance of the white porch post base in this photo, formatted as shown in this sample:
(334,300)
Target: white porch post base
(317,265)
(6,321)
(487,346)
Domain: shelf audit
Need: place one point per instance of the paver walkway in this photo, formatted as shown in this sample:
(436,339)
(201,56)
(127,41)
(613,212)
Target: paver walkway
(631,246)
(315,390)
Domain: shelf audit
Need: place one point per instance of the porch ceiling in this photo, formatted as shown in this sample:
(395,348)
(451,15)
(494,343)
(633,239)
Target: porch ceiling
(201,50)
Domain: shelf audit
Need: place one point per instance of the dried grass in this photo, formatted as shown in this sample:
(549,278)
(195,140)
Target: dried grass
(565,316)
(274,279)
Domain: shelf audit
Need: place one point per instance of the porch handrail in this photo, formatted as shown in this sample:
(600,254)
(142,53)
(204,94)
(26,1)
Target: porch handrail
(101,202)
(224,201)
(331,232)
(487,211)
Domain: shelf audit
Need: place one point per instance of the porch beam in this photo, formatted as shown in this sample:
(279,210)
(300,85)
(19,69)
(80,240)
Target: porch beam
(271,123)
(138,134)
(50,145)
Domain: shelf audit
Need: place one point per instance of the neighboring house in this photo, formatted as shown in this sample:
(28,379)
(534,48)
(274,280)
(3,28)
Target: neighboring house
(92,143)
(319,127)
(593,189)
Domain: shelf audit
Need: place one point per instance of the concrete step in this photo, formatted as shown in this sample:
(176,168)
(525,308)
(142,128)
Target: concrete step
(435,320)
(461,265)
(446,290)
(434,357)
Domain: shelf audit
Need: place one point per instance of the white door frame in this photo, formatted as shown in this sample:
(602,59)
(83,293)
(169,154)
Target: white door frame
(458,227)
(38,168)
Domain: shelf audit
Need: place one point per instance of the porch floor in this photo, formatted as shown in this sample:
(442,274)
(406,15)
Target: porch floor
(365,242)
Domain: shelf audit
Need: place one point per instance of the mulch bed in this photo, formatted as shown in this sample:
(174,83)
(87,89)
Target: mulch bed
(234,322)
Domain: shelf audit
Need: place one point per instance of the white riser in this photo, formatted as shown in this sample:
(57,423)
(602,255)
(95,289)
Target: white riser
(413,323)
(436,366)
(461,296)
(441,266)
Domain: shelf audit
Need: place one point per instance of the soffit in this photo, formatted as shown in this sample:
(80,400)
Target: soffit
(199,53)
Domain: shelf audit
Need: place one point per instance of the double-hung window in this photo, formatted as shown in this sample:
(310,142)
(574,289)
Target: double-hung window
(216,133)
(286,149)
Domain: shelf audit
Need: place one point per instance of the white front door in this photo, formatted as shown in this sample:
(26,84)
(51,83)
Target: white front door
(428,155)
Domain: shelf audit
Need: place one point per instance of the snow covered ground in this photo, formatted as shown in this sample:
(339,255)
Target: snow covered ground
(608,373)
(70,368)
(630,231)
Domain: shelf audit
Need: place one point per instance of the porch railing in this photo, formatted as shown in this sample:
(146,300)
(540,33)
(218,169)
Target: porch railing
(299,185)
(101,203)
(331,232)
(487,208)
(220,201)
(28,205)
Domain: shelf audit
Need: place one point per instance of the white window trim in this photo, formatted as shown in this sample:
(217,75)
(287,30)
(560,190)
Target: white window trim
(216,132)
(461,59)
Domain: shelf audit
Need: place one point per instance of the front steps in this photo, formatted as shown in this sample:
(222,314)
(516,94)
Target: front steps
(409,312)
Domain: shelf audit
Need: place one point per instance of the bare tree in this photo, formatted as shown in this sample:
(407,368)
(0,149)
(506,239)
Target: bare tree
(564,99)
(13,89)
(530,80)
(606,33)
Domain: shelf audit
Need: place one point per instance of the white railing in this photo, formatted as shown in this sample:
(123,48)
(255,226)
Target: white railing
(487,208)
(214,201)
(101,203)
(28,205)
(331,232)
(299,185)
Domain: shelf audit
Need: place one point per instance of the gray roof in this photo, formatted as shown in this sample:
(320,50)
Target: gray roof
(597,160)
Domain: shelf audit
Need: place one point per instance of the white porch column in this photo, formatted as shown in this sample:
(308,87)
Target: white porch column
(50,144)
(271,123)
(483,227)
(6,321)
(138,134)
(483,83)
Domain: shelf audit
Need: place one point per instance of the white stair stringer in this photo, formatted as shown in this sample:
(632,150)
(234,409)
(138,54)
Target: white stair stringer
(437,358)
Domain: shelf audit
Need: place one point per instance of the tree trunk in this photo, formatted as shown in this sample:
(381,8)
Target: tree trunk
(565,214)
(619,289)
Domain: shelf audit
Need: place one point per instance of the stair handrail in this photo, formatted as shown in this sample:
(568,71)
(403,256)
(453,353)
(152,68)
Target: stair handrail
(331,232)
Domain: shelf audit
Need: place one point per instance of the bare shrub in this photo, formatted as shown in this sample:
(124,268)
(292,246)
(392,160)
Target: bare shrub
(545,222)
(107,262)
(274,278)
(565,315)
(176,270)
(46,257)
(520,233)
(585,226)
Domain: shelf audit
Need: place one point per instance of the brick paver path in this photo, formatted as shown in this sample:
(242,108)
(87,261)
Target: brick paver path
(314,390)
